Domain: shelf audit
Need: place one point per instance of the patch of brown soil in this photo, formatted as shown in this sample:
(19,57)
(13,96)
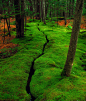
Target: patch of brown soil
(82,26)
(7,44)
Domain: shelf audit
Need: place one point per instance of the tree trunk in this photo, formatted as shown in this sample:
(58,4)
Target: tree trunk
(46,8)
(38,10)
(72,7)
(74,37)
(51,11)
(25,15)
(57,12)
(31,8)
(44,11)
(65,12)
(22,18)
(17,16)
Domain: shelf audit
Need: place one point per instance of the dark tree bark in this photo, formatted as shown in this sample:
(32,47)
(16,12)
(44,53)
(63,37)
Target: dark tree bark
(57,12)
(44,11)
(46,8)
(65,12)
(25,15)
(22,18)
(74,37)
(38,10)
(51,11)
(31,8)
(8,24)
(4,22)
(72,7)
(17,17)
(41,9)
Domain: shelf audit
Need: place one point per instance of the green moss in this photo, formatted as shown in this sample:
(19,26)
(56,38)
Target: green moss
(46,83)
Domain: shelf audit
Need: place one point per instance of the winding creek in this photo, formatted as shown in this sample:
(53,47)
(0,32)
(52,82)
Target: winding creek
(32,70)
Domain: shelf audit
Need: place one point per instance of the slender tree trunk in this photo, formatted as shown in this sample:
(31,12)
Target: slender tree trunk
(68,8)
(51,11)
(4,22)
(4,32)
(74,37)
(36,8)
(72,7)
(40,10)
(65,12)
(22,18)
(46,8)
(25,15)
(31,8)
(57,12)
(8,26)
(44,11)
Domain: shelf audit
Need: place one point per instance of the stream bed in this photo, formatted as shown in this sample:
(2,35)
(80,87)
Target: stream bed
(32,70)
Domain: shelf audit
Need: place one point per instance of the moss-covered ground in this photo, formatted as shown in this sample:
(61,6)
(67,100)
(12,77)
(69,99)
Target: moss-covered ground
(45,84)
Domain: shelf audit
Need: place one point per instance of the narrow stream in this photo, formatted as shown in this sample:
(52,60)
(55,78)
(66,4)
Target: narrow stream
(32,70)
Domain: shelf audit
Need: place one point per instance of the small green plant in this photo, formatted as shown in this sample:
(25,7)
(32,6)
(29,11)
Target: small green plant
(69,27)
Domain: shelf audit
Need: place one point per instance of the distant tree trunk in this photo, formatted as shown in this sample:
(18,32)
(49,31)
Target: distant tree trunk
(18,20)
(25,15)
(1,7)
(51,11)
(38,10)
(35,8)
(4,22)
(8,25)
(74,37)
(57,12)
(62,11)
(72,7)
(31,8)
(65,12)
(46,8)
(22,18)
(44,11)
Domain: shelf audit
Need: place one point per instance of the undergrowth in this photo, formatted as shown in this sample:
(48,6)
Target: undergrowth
(46,83)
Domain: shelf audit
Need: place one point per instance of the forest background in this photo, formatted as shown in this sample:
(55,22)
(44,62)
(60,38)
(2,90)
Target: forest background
(22,21)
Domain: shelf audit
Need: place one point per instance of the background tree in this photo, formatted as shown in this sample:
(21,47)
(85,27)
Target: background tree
(74,37)
(17,17)
(44,11)
(22,18)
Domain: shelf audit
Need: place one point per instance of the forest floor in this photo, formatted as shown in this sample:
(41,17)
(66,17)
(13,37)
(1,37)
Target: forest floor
(8,44)
(46,83)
